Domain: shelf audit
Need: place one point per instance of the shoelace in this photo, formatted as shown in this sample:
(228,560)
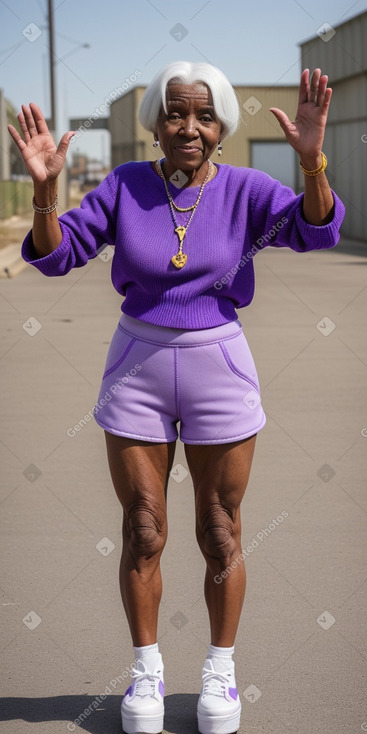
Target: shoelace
(145,684)
(214,684)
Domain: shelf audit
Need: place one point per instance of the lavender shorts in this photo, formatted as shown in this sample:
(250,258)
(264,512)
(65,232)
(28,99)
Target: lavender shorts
(156,377)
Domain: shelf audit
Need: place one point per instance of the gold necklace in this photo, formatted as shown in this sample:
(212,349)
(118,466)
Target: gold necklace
(180,259)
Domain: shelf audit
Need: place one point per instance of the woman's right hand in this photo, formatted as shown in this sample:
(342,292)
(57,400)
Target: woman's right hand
(43,160)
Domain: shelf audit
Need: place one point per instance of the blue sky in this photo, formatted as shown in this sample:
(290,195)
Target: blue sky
(253,43)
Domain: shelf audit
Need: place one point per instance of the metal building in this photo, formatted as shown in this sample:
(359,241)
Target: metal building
(341,52)
(258,142)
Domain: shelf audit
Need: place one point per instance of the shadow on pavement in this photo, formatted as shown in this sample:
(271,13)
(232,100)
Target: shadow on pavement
(351,247)
(180,712)
(68,709)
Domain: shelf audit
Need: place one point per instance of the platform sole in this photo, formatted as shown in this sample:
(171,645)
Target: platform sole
(135,724)
(219,724)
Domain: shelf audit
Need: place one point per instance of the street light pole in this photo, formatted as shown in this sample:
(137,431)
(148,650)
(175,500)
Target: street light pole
(52,64)
(53,122)
(63,184)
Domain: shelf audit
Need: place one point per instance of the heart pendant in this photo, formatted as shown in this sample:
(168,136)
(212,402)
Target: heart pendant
(179,260)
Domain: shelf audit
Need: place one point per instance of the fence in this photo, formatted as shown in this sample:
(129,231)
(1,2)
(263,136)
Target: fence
(15,198)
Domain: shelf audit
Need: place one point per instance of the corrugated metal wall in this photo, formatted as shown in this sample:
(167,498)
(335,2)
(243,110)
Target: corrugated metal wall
(344,59)
(257,123)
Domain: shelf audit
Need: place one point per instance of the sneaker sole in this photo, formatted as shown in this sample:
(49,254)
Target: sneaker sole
(219,724)
(142,724)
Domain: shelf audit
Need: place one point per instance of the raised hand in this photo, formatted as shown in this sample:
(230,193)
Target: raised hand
(306,133)
(44,161)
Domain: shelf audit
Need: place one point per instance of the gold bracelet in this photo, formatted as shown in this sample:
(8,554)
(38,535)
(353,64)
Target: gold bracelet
(318,170)
(46,209)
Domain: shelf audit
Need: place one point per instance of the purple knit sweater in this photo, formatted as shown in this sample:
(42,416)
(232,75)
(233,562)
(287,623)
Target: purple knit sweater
(241,212)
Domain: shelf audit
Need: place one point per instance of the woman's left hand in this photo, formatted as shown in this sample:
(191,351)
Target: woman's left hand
(306,133)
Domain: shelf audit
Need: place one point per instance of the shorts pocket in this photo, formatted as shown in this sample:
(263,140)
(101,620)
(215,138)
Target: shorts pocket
(239,359)
(120,347)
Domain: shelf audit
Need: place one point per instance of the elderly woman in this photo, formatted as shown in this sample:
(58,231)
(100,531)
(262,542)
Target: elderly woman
(184,230)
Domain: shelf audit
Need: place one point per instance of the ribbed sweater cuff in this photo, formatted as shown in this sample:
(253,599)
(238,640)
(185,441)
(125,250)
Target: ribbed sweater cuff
(49,264)
(325,236)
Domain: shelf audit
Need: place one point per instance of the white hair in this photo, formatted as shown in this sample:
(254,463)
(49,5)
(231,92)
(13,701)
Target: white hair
(186,72)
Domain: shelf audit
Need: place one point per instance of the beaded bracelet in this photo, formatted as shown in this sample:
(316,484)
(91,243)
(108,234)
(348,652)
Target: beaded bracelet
(46,209)
(318,170)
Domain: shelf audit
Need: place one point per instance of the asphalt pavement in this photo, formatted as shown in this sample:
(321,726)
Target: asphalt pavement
(301,647)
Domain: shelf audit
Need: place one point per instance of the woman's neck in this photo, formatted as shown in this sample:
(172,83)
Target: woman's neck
(194,177)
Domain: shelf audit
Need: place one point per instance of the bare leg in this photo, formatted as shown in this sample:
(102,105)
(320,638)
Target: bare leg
(139,472)
(220,474)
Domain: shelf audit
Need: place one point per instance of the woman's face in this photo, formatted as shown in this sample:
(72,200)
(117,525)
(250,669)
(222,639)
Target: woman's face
(190,130)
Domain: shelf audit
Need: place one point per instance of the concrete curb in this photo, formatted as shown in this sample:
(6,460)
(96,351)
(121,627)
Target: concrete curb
(11,261)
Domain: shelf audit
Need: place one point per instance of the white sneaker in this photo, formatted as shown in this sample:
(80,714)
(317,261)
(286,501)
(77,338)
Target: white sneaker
(142,707)
(219,705)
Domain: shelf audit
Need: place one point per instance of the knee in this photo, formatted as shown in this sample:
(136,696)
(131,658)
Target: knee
(146,531)
(216,533)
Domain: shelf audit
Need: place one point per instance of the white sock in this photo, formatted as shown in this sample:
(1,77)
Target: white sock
(142,652)
(221,658)
(149,655)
